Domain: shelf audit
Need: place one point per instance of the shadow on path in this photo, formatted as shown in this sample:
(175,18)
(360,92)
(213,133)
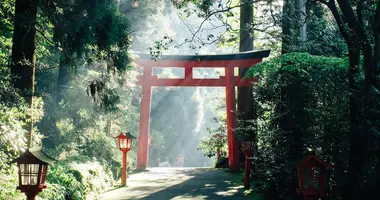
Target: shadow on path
(183,183)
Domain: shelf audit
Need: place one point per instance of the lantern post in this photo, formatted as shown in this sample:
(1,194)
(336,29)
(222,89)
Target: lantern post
(312,173)
(124,142)
(248,146)
(32,168)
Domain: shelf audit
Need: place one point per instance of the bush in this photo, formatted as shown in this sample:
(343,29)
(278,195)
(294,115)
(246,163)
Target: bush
(302,102)
(76,181)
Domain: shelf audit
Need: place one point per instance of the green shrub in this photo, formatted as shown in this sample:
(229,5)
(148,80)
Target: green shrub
(76,180)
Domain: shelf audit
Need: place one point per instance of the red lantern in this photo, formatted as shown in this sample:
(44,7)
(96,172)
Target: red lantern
(311,176)
(124,142)
(248,147)
(32,169)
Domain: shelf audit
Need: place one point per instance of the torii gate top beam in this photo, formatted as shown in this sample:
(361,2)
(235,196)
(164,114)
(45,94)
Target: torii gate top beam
(241,60)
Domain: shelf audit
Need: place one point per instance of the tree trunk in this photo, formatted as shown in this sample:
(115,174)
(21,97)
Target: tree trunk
(24,46)
(356,140)
(376,65)
(287,24)
(245,94)
(294,27)
(63,78)
(109,126)
(301,5)
(24,53)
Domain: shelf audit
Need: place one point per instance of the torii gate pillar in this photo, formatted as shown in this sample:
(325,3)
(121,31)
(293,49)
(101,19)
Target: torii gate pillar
(233,144)
(229,81)
(146,92)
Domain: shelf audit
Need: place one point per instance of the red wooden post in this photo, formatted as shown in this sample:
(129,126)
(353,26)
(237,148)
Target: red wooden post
(247,173)
(124,170)
(142,154)
(188,72)
(233,146)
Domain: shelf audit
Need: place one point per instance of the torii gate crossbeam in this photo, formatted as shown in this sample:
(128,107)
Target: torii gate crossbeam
(188,62)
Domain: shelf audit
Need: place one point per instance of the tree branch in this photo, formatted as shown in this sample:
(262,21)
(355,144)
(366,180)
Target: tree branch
(341,25)
(213,13)
(359,13)
(352,21)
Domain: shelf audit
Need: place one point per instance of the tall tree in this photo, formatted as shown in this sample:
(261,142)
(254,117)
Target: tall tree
(99,28)
(359,24)
(24,52)
(294,26)
(301,8)
(24,45)
(245,104)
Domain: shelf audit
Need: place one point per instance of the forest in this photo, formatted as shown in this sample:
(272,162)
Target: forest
(68,84)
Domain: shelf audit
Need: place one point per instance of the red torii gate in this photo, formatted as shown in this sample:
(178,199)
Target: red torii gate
(188,62)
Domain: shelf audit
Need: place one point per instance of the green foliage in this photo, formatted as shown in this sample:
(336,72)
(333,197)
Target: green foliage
(203,5)
(76,180)
(68,184)
(9,180)
(328,42)
(216,141)
(74,34)
(159,47)
(13,142)
(303,103)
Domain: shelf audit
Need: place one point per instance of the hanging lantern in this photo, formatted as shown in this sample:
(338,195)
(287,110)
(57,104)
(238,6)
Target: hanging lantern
(312,173)
(32,169)
(125,141)
(248,146)
(135,4)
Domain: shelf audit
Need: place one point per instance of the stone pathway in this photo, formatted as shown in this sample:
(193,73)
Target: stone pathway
(182,183)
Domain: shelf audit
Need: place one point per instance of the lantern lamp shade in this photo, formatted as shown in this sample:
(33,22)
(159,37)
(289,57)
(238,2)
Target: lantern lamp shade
(248,146)
(125,141)
(311,175)
(32,169)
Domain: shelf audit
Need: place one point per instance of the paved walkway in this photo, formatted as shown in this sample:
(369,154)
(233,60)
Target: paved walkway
(182,183)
